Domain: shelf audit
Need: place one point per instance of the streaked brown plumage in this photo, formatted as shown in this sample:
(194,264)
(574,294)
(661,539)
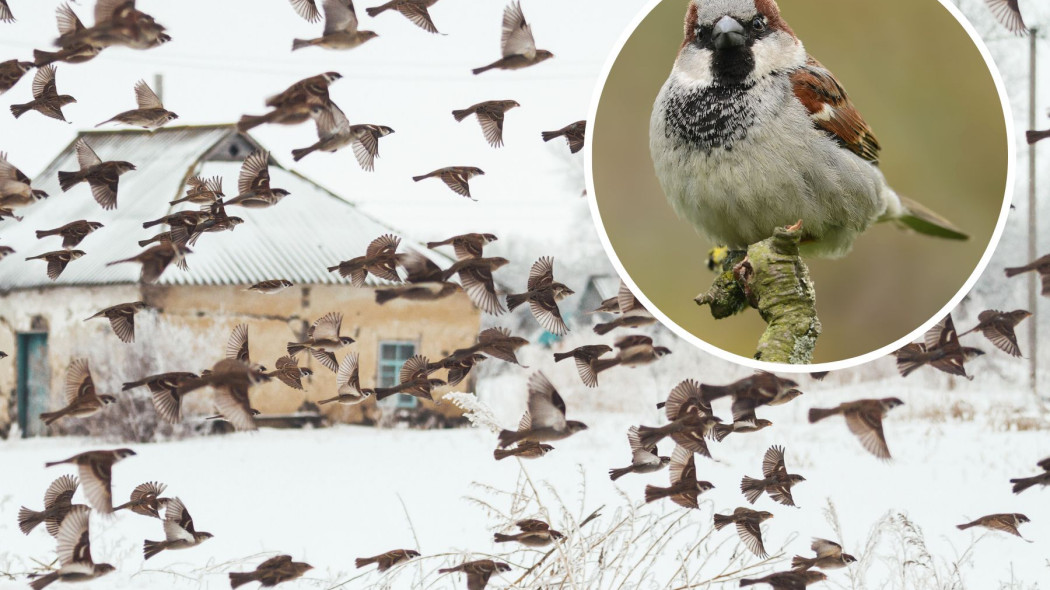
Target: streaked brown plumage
(690,420)
(164,387)
(380,259)
(122,318)
(456,178)
(74,552)
(288,371)
(633,350)
(544,421)
(387,560)
(685,488)
(58,500)
(117,22)
(334,132)
(323,339)
(748,527)
(498,343)
(102,177)
(414,10)
(864,418)
(574,133)
(46,99)
(294,105)
(1006,523)
(523,450)
(585,356)
(517,43)
(413,379)
(1043,479)
(68,25)
(271,287)
(829,557)
(156,259)
(72,233)
(478,572)
(643,459)
(1041,266)
(202,191)
(238,349)
(145,499)
(57,261)
(776,481)
(340,28)
(96,470)
(271,572)
(543,294)
(253,185)
(150,113)
(458,366)
(466,245)
(792,580)
(998,327)
(15,189)
(348,382)
(11,71)
(179,531)
(475,275)
(534,533)
(742,423)
(940,350)
(490,116)
(231,380)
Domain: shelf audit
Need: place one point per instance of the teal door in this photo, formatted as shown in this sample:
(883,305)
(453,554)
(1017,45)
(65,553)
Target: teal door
(34,382)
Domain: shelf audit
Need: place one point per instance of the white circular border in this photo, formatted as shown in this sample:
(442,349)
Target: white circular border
(836,365)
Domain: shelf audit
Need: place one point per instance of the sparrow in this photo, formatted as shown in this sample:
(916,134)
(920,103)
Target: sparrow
(940,350)
(145,499)
(466,245)
(348,382)
(11,71)
(231,380)
(1006,523)
(643,459)
(534,533)
(517,44)
(335,132)
(213,220)
(574,134)
(58,500)
(422,292)
(6,16)
(792,580)
(742,423)
(340,28)
(189,218)
(155,260)
(757,390)
(523,450)
(998,327)
(585,356)
(307,9)
(490,116)
(475,275)
(96,469)
(544,420)
(164,388)
(632,319)
(633,350)
(413,379)
(829,557)
(478,572)
(271,572)
(74,552)
(203,191)
(456,178)
(68,25)
(380,259)
(864,418)
(46,99)
(690,420)
(685,488)
(237,347)
(322,340)
(178,530)
(777,482)
(57,261)
(387,560)
(289,372)
(15,188)
(497,343)
(749,133)
(295,104)
(102,177)
(122,318)
(543,294)
(1041,266)
(271,287)
(1008,13)
(748,527)
(72,233)
(458,366)
(253,185)
(1043,479)
(117,22)
(414,10)
(151,113)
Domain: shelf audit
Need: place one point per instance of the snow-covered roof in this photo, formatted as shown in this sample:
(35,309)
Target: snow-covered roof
(296,240)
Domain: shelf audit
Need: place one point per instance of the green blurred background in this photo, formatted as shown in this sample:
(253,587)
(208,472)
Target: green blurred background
(920,83)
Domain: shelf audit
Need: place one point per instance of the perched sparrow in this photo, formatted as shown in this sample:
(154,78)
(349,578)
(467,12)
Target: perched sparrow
(545,416)
(998,327)
(864,418)
(294,105)
(122,318)
(151,113)
(322,340)
(749,133)
(829,557)
(793,580)
(941,350)
(271,287)
(145,499)
(574,134)
(455,177)
(478,572)
(387,560)
(96,469)
(46,99)
(466,245)
(523,450)
(458,366)
(1006,523)
(413,379)
(543,295)
(777,482)
(253,185)
(57,261)
(643,459)
(68,25)
(72,233)
(11,71)
(585,356)
(231,380)
(534,533)
(102,177)
(340,28)
(289,373)
(335,132)
(271,572)
(414,10)
(490,117)
(307,9)
(685,488)
(633,350)
(15,189)
(1041,266)
(6,16)
(178,530)
(475,274)
(748,527)
(58,500)
(203,191)
(117,22)
(348,381)
(380,259)
(74,552)
(690,420)
(155,260)
(167,399)
(517,44)
(1008,13)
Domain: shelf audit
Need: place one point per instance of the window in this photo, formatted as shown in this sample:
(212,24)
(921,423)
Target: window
(393,354)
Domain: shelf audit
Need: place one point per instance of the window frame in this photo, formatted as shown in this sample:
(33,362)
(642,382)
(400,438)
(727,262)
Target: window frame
(399,401)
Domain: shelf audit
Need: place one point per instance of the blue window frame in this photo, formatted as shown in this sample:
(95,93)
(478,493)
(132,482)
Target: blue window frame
(393,354)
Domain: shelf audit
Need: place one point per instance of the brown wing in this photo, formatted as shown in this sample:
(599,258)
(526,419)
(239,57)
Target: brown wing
(232,403)
(44,83)
(74,542)
(413,369)
(61,491)
(384,245)
(255,173)
(542,273)
(867,426)
(145,97)
(1008,13)
(95,476)
(546,408)
(685,396)
(78,381)
(826,548)
(481,289)
(307,9)
(1001,334)
(773,463)
(327,327)
(750,533)
(492,126)
(123,325)
(419,16)
(532,525)
(831,110)
(545,309)
(237,345)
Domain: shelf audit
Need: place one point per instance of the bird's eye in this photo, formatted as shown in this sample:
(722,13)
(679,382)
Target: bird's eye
(759,23)
(703,34)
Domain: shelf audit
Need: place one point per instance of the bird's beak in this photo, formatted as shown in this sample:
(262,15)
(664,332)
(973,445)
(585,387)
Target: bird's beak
(728,34)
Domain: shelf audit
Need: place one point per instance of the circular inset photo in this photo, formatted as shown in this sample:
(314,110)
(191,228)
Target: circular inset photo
(806,183)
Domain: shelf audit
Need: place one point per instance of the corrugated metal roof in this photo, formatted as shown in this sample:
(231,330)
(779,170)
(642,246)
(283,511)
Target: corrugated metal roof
(297,239)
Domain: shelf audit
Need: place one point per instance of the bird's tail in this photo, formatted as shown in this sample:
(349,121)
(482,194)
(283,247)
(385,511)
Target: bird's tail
(43,58)
(721,521)
(560,356)
(302,153)
(909,360)
(151,548)
(50,417)
(300,43)
(19,109)
(615,474)
(501,538)
(925,221)
(146,242)
(508,437)
(1020,485)
(421,177)
(248,122)
(363,561)
(43,234)
(376,10)
(28,519)
(1013,272)
(382,393)
(654,493)
(295,348)
(721,431)
(713,392)
(384,295)
(818,414)
(549,135)
(752,488)
(68,180)
(516,299)
(240,579)
(501,454)
(1034,136)
(648,436)
(482,69)
(749,582)
(328,401)
(462,114)
(104,122)
(43,581)
(149,224)
(801,563)
(602,329)
(963,527)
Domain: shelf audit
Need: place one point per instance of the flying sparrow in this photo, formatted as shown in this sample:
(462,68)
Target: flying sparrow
(585,356)
(748,527)
(534,533)
(456,178)
(574,134)
(122,318)
(792,580)
(289,372)
(15,189)
(155,260)
(742,423)
(68,25)
(413,379)
(478,572)
(145,499)
(74,552)
(117,22)
(829,557)
(253,185)
(203,191)
(749,133)
(1008,13)
(633,350)
(414,10)
(998,327)
(458,366)
(498,343)
(1041,266)
(322,340)
(940,350)
(475,275)
(523,450)
(212,220)
(380,259)
(102,177)
(864,418)
(295,104)
(690,420)
(271,572)
(96,469)
(231,380)
(765,388)
(271,287)
(11,71)
(335,132)
(164,388)
(72,233)
(545,416)
(777,482)
(466,245)
(1006,523)
(423,292)
(57,261)
(631,319)
(387,560)
(643,459)
(46,99)
(151,113)
(490,117)
(307,9)
(178,530)
(340,28)
(685,488)
(58,500)
(517,44)
(348,381)
(543,294)
(1043,479)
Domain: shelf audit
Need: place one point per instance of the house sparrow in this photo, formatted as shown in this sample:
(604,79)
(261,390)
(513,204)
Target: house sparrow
(74,552)
(633,350)
(6,16)
(466,245)
(413,379)
(96,469)
(68,25)
(631,319)
(414,10)
(178,530)
(517,44)
(940,350)
(998,327)
(271,572)
(643,459)
(57,261)
(335,132)
(212,220)
(455,177)
(117,22)
(295,104)
(534,533)
(490,117)
(203,191)
(748,527)
(271,287)
(145,499)
(545,416)
(46,99)
(348,381)
(253,185)
(584,356)
(475,275)
(458,366)
(289,372)
(151,113)
(864,418)
(380,259)
(231,380)
(478,572)
(189,218)
(164,388)
(15,189)
(1006,523)
(322,340)
(72,233)
(749,133)
(685,488)
(690,420)
(498,343)
(829,557)
(155,260)
(757,390)
(523,450)
(777,482)
(793,580)
(102,177)
(1008,13)
(1041,266)
(421,292)
(574,134)
(307,9)
(122,318)
(387,560)
(58,500)
(340,28)
(11,71)
(543,294)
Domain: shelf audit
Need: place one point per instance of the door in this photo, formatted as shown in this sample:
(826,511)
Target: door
(34,382)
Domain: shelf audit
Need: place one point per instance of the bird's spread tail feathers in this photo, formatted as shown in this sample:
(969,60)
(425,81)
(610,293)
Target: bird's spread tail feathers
(151,548)
(752,488)
(615,474)
(515,300)
(721,521)
(818,414)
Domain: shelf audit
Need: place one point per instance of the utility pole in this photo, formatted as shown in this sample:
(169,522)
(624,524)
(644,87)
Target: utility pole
(1033,242)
